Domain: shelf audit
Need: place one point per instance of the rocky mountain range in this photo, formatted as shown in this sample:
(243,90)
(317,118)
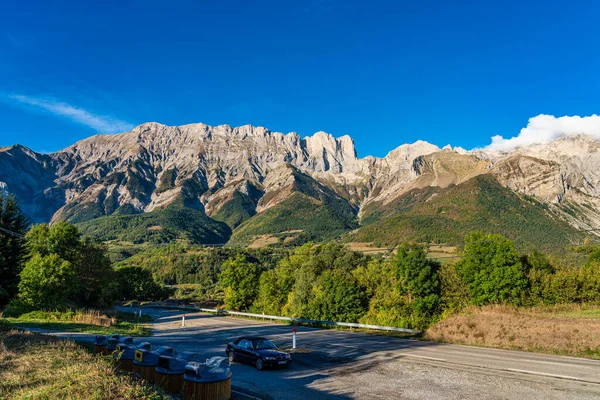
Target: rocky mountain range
(260,182)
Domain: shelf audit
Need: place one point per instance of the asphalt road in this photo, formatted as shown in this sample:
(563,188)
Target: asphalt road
(347,365)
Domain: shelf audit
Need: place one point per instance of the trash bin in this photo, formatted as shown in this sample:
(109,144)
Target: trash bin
(146,361)
(100,344)
(112,342)
(170,370)
(125,353)
(210,380)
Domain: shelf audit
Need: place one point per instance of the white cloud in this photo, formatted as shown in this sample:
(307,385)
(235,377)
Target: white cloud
(100,123)
(546,128)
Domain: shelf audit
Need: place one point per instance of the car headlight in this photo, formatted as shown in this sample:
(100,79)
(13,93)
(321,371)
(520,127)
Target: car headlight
(269,358)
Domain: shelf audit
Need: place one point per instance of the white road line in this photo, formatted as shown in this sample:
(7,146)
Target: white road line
(523,371)
(343,345)
(547,362)
(424,357)
(245,395)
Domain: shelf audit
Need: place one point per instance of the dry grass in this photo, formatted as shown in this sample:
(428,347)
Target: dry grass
(441,251)
(568,329)
(94,317)
(262,241)
(105,318)
(88,321)
(366,247)
(42,367)
(434,251)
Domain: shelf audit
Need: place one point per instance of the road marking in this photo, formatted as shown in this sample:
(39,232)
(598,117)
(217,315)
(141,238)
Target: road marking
(343,345)
(523,371)
(424,357)
(245,395)
(547,362)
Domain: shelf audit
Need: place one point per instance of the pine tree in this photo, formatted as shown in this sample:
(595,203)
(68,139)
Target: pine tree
(13,223)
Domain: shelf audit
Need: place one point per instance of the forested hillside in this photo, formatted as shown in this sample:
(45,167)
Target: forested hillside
(446,215)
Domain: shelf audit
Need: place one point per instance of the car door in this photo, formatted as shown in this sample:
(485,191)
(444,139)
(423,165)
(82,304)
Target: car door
(244,351)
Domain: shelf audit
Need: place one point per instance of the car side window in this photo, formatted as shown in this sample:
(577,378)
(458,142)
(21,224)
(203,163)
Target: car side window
(245,344)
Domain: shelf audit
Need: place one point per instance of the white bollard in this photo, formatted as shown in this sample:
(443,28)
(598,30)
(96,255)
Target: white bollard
(140,313)
(294,339)
(183,321)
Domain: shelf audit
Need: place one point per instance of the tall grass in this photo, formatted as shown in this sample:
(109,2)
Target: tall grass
(83,316)
(567,329)
(42,367)
(102,322)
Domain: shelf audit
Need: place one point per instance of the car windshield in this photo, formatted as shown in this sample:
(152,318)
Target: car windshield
(263,345)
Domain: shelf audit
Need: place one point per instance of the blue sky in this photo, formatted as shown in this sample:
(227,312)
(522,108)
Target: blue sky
(384,72)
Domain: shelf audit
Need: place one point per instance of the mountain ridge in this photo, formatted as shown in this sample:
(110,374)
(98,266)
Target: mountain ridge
(237,174)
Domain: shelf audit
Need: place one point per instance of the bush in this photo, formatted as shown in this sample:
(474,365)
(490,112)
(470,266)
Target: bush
(492,270)
(4,325)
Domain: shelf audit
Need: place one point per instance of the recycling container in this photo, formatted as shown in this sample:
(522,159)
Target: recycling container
(210,380)
(100,344)
(111,344)
(125,353)
(146,361)
(170,370)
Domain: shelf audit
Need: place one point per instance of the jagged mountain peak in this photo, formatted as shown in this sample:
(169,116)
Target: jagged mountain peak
(410,151)
(236,173)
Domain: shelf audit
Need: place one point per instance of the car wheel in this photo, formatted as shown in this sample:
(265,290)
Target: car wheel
(232,357)
(260,364)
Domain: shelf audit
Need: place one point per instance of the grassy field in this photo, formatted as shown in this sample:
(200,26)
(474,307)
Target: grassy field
(42,367)
(122,323)
(436,251)
(572,330)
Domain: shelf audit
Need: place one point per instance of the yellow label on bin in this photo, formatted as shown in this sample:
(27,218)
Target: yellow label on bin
(119,348)
(139,356)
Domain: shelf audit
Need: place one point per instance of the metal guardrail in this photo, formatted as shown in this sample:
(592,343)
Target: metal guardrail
(301,320)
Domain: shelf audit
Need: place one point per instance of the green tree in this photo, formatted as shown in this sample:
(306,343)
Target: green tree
(91,284)
(338,297)
(538,261)
(136,283)
(46,282)
(11,246)
(61,238)
(418,279)
(492,270)
(94,275)
(274,289)
(240,280)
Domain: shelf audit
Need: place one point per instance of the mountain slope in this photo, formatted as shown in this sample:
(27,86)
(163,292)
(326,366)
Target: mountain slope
(302,210)
(260,182)
(158,227)
(446,215)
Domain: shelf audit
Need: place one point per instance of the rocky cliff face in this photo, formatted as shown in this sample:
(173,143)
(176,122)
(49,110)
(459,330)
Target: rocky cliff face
(208,168)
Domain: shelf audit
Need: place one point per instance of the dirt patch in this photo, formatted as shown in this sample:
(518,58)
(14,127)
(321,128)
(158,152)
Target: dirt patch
(262,241)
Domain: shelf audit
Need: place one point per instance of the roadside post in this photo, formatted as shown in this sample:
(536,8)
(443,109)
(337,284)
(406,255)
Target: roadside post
(294,339)
(140,313)
(183,321)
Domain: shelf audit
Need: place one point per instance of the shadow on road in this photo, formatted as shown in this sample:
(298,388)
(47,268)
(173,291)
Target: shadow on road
(329,352)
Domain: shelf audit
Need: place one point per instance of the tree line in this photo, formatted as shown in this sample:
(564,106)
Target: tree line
(46,267)
(55,267)
(405,289)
